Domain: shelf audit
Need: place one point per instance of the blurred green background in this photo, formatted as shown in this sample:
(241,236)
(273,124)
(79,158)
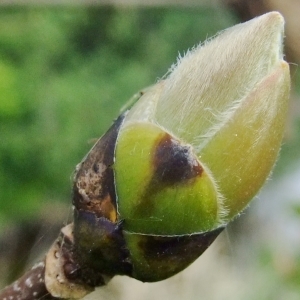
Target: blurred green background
(65,73)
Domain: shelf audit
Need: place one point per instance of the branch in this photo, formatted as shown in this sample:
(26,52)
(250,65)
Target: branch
(30,286)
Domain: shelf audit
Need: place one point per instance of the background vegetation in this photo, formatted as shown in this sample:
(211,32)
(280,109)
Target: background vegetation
(65,72)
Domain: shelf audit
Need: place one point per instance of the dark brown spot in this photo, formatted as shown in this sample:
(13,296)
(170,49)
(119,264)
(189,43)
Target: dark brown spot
(174,162)
(71,271)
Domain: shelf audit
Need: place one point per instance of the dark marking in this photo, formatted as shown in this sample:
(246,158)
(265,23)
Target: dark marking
(173,162)
(94,187)
(165,256)
(71,270)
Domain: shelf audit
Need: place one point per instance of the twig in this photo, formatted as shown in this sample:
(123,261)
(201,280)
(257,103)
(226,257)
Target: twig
(30,286)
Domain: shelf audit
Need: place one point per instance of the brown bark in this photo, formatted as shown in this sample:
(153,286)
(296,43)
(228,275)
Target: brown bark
(52,278)
(30,286)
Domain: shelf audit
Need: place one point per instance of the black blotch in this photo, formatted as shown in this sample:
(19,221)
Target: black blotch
(72,271)
(174,162)
(96,167)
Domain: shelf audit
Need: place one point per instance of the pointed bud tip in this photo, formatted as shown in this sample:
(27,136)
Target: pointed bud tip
(272,24)
(275,17)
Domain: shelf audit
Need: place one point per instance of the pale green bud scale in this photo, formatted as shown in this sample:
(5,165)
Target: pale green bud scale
(156,174)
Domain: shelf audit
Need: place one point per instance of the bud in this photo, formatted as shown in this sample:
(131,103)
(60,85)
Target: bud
(168,176)
(226,101)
